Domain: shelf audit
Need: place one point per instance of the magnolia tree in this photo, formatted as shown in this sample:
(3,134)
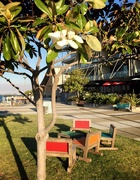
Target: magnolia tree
(55,26)
(61,27)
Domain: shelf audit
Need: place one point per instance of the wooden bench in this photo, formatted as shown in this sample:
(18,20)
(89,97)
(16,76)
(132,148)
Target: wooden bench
(122,106)
(81,103)
(58,147)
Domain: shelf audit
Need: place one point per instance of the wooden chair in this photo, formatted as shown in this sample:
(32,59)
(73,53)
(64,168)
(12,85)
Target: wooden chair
(62,147)
(81,124)
(107,140)
(92,140)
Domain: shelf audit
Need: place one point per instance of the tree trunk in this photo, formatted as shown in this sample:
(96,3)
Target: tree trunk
(41,138)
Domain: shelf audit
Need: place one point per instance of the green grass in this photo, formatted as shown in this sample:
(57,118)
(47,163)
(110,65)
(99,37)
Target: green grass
(18,155)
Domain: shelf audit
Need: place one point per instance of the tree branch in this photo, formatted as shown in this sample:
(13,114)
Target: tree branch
(19,90)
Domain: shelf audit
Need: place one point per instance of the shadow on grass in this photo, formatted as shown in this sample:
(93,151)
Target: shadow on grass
(30,144)
(53,134)
(18,118)
(62,127)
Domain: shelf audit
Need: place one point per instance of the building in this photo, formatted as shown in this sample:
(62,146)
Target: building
(117,74)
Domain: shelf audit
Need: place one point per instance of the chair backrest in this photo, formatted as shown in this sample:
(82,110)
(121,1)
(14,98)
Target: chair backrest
(112,131)
(56,145)
(81,124)
(92,139)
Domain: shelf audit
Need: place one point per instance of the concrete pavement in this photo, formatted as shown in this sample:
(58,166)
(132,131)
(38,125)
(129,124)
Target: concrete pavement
(127,123)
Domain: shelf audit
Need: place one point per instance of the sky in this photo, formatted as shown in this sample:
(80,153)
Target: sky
(20,81)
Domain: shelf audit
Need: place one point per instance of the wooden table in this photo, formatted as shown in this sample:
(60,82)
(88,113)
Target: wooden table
(71,134)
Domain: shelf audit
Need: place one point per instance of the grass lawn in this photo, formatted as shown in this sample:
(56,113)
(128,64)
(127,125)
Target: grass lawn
(18,155)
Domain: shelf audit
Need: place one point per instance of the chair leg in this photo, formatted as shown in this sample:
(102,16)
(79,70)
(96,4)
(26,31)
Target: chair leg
(71,161)
(85,156)
(96,152)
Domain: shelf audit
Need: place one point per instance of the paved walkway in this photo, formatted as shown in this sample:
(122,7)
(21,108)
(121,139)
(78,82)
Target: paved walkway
(127,123)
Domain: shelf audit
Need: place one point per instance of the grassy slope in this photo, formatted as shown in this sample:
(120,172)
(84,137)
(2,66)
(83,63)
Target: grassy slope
(18,155)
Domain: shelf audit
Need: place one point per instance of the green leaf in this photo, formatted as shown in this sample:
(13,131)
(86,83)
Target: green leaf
(6,48)
(14,42)
(2,19)
(82,59)
(11,5)
(1,5)
(97,4)
(21,38)
(43,8)
(74,26)
(38,21)
(129,50)
(51,55)
(47,43)
(93,30)
(81,21)
(22,28)
(59,4)
(93,42)
(84,8)
(124,51)
(16,11)
(121,32)
(41,32)
(46,33)
(52,8)
(62,10)
(90,28)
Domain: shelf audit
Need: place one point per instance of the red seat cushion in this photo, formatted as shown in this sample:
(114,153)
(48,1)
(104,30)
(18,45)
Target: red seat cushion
(57,146)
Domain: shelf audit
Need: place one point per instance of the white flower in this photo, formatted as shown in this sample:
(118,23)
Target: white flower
(64,38)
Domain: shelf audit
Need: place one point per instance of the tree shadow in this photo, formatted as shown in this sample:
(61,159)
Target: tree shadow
(62,127)
(53,134)
(34,109)
(64,162)
(3,123)
(30,144)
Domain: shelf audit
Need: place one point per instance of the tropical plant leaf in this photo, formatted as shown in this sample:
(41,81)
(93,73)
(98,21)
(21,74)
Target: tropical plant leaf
(93,42)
